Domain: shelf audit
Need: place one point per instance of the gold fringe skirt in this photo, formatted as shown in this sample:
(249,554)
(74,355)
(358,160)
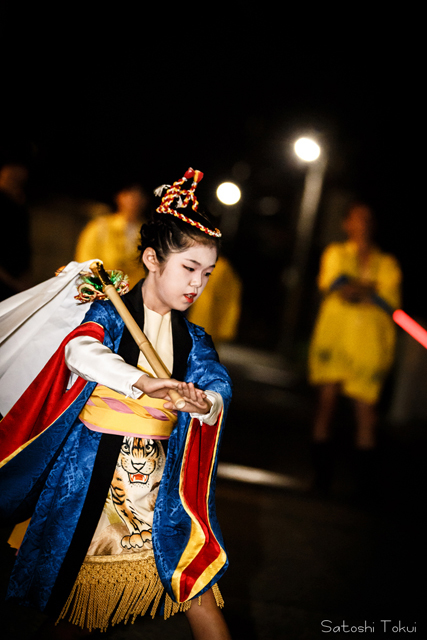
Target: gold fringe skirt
(113,589)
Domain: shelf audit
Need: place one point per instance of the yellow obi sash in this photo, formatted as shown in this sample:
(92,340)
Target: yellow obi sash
(111,412)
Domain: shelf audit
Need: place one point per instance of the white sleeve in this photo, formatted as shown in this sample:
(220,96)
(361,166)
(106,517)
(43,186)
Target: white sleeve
(217,405)
(91,360)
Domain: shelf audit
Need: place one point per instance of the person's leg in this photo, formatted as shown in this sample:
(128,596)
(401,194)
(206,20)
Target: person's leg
(327,400)
(321,446)
(366,419)
(366,452)
(206,620)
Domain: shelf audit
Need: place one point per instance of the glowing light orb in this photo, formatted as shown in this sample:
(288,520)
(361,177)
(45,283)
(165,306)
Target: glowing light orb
(307,149)
(228,193)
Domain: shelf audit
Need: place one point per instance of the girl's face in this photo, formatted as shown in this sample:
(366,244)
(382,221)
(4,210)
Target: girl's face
(179,281)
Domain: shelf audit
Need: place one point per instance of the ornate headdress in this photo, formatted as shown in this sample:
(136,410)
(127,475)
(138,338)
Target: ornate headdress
(183,197)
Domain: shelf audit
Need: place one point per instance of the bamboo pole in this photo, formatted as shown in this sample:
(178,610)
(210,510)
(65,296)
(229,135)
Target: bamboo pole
(140,338)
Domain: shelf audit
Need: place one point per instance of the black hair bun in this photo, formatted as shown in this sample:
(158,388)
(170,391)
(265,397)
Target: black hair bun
(166,233)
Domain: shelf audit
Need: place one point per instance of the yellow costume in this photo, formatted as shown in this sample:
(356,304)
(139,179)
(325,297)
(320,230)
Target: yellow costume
(218,311)
(113,240)
(353,343)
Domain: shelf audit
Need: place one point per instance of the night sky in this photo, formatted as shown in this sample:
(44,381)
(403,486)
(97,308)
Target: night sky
(129,95)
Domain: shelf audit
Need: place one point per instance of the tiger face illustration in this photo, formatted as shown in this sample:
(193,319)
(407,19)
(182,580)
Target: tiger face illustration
(135,486)
(139,458)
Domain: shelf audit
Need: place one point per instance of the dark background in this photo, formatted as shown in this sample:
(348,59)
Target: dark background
(94,97)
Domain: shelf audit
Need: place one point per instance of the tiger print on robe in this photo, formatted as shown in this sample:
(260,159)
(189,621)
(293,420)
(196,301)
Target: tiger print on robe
(126,522)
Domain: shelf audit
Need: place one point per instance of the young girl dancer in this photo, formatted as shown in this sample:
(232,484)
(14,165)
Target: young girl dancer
(119,486)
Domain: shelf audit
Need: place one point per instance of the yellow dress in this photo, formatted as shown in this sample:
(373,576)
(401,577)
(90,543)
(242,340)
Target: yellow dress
(354,343)
(111,239)
(218,309)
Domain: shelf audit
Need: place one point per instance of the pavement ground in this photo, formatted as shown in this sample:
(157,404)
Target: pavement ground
(301,566)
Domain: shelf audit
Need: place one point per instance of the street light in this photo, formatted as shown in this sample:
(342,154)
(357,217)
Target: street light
(307,149)
(310,152)
(229,194)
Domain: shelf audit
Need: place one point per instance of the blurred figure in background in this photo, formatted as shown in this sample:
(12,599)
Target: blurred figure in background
(219,312)
(113,238)
(353,342)
(15,245)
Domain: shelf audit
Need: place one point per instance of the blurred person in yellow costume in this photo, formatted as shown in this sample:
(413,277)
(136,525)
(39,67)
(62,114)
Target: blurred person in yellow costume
(113,238)
(353,343)
(219,312)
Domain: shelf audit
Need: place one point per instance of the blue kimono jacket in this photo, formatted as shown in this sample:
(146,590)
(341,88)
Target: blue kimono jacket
(61,478)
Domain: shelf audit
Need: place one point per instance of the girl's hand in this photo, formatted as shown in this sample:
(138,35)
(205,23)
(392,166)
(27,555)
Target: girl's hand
(156,387)
(195,399)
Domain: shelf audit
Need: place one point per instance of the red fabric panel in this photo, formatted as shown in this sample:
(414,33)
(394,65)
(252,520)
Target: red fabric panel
(196,486)
(46,397)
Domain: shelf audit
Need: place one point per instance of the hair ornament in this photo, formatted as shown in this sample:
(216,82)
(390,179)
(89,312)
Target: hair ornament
(183,197)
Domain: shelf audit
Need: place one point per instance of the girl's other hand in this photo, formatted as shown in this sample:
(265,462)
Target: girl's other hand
(195,399)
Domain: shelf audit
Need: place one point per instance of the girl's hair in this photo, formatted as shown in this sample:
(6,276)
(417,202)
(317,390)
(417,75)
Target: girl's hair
(167,234)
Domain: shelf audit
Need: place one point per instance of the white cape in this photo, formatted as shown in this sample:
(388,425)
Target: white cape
(32,326)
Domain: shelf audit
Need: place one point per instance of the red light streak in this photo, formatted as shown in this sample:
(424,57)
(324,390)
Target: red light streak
(410,326)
